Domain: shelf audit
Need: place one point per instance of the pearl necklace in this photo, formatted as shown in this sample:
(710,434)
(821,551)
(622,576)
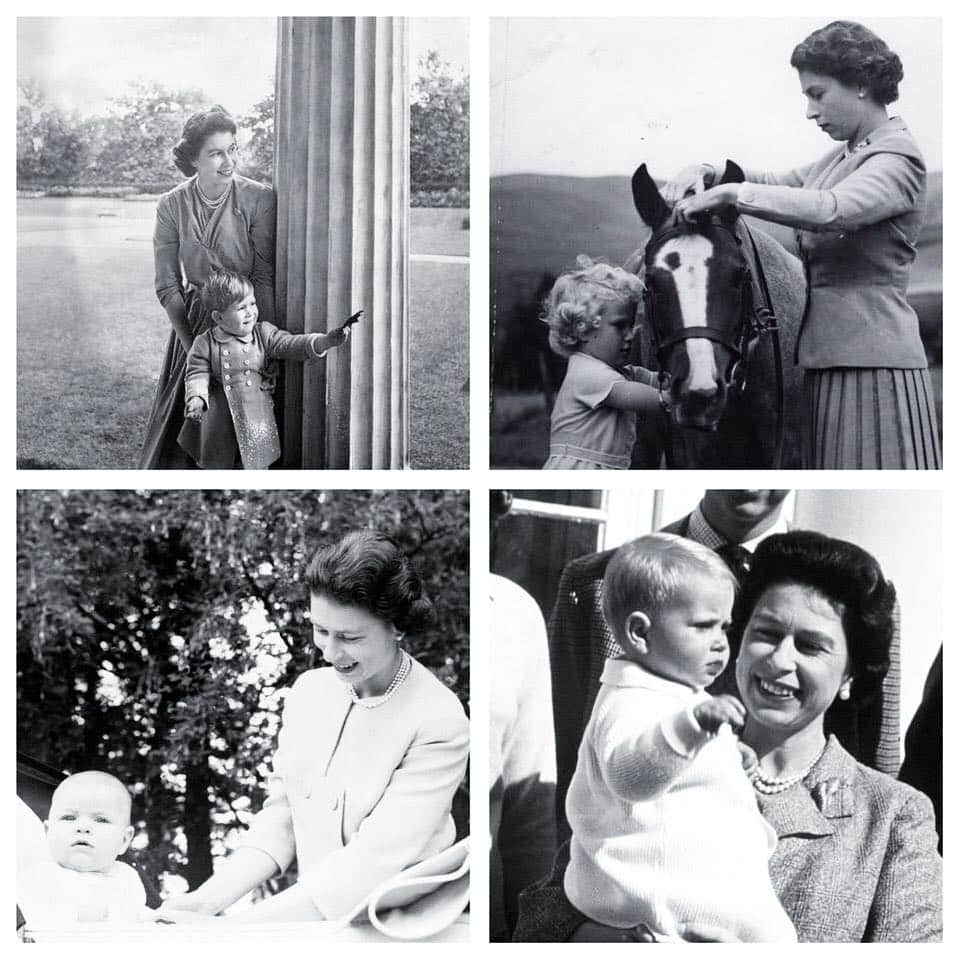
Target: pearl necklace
(769,787)
(372,702)
(212,204)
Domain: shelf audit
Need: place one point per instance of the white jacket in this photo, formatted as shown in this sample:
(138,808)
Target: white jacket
(358,794)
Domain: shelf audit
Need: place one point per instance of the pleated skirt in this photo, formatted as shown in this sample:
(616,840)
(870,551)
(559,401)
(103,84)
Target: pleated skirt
(869,419)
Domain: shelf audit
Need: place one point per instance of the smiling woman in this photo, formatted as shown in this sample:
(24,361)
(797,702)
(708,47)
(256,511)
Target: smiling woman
(370,754)
(855,858)
(216,220)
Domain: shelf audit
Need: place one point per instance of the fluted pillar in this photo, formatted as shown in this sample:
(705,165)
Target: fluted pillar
(341,176)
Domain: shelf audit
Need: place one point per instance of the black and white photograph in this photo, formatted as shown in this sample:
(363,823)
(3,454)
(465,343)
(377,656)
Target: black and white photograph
(716,715)
(733,225)
(243,243)
(242,715)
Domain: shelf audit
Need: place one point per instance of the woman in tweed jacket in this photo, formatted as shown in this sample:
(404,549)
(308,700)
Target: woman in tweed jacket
(867,397)
(856,859)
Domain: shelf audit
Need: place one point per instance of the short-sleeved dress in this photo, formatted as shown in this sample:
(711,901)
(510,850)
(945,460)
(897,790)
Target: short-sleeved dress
(585,434)
(189,242)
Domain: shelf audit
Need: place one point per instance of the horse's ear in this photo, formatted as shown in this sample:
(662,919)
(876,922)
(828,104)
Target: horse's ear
(733,173)
(649,201)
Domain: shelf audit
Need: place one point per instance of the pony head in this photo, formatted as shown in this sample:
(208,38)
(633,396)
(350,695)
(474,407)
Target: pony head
(696,282)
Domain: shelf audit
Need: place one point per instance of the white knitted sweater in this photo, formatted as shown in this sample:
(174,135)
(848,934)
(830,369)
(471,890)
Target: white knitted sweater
(665,824)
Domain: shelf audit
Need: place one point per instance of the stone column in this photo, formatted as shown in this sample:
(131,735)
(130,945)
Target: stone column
(341,176)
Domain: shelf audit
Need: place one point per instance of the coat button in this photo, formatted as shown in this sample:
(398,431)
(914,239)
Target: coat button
(226,352)
(226,376)
(226,366)
(573,598)
(228,388)
(248,383)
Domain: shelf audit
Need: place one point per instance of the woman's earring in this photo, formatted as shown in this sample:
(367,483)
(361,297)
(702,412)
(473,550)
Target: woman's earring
(844,691)
(862,94)
(399,637)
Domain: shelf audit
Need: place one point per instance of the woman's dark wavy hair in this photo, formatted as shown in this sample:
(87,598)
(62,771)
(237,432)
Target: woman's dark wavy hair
(195,132)
(854,55)
(849,578)
(367,569)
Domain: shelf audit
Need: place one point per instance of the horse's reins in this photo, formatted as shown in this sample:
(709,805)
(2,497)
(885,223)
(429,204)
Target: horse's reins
(754,322)
(764,320)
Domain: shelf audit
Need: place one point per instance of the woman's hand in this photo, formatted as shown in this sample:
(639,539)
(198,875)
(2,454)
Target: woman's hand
(703,932)
(195,407)
(713,712)
(596,932)
(186,906)
(690,178)
(713,199)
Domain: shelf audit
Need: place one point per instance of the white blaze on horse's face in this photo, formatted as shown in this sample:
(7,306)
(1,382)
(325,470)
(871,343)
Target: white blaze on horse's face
(686,258)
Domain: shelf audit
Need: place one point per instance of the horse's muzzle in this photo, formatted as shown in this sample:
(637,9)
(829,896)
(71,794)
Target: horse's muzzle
(702,423)
(699,411)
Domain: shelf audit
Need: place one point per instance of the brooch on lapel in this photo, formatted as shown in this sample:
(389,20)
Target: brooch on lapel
(834,797)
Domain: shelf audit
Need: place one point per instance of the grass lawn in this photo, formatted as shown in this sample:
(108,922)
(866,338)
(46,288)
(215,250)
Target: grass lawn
(439,366)
(439,231)
(91,335)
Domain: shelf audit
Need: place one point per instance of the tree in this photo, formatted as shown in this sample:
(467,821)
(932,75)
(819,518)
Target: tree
(49,141)
(157,631)
(439,126)
(258,153)
(139,131)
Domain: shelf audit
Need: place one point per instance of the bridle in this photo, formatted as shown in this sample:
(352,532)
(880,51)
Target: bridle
(757,317)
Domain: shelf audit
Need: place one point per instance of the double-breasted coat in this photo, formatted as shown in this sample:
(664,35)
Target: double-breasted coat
(230,374)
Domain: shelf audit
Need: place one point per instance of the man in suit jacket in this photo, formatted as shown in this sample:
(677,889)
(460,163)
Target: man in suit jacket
(732,522)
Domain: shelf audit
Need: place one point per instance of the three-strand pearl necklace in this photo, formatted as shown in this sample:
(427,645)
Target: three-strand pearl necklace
(770,786)
(371,702)
(212,204)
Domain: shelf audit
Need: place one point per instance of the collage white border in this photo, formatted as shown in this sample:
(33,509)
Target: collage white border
(479,478)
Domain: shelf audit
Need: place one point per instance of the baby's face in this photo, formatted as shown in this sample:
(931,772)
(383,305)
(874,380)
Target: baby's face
(89,826)
(240,318)
(687,641)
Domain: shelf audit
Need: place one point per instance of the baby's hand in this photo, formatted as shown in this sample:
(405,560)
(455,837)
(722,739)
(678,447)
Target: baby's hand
(195,407)
(337,337)
(713,712)
(748,757)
